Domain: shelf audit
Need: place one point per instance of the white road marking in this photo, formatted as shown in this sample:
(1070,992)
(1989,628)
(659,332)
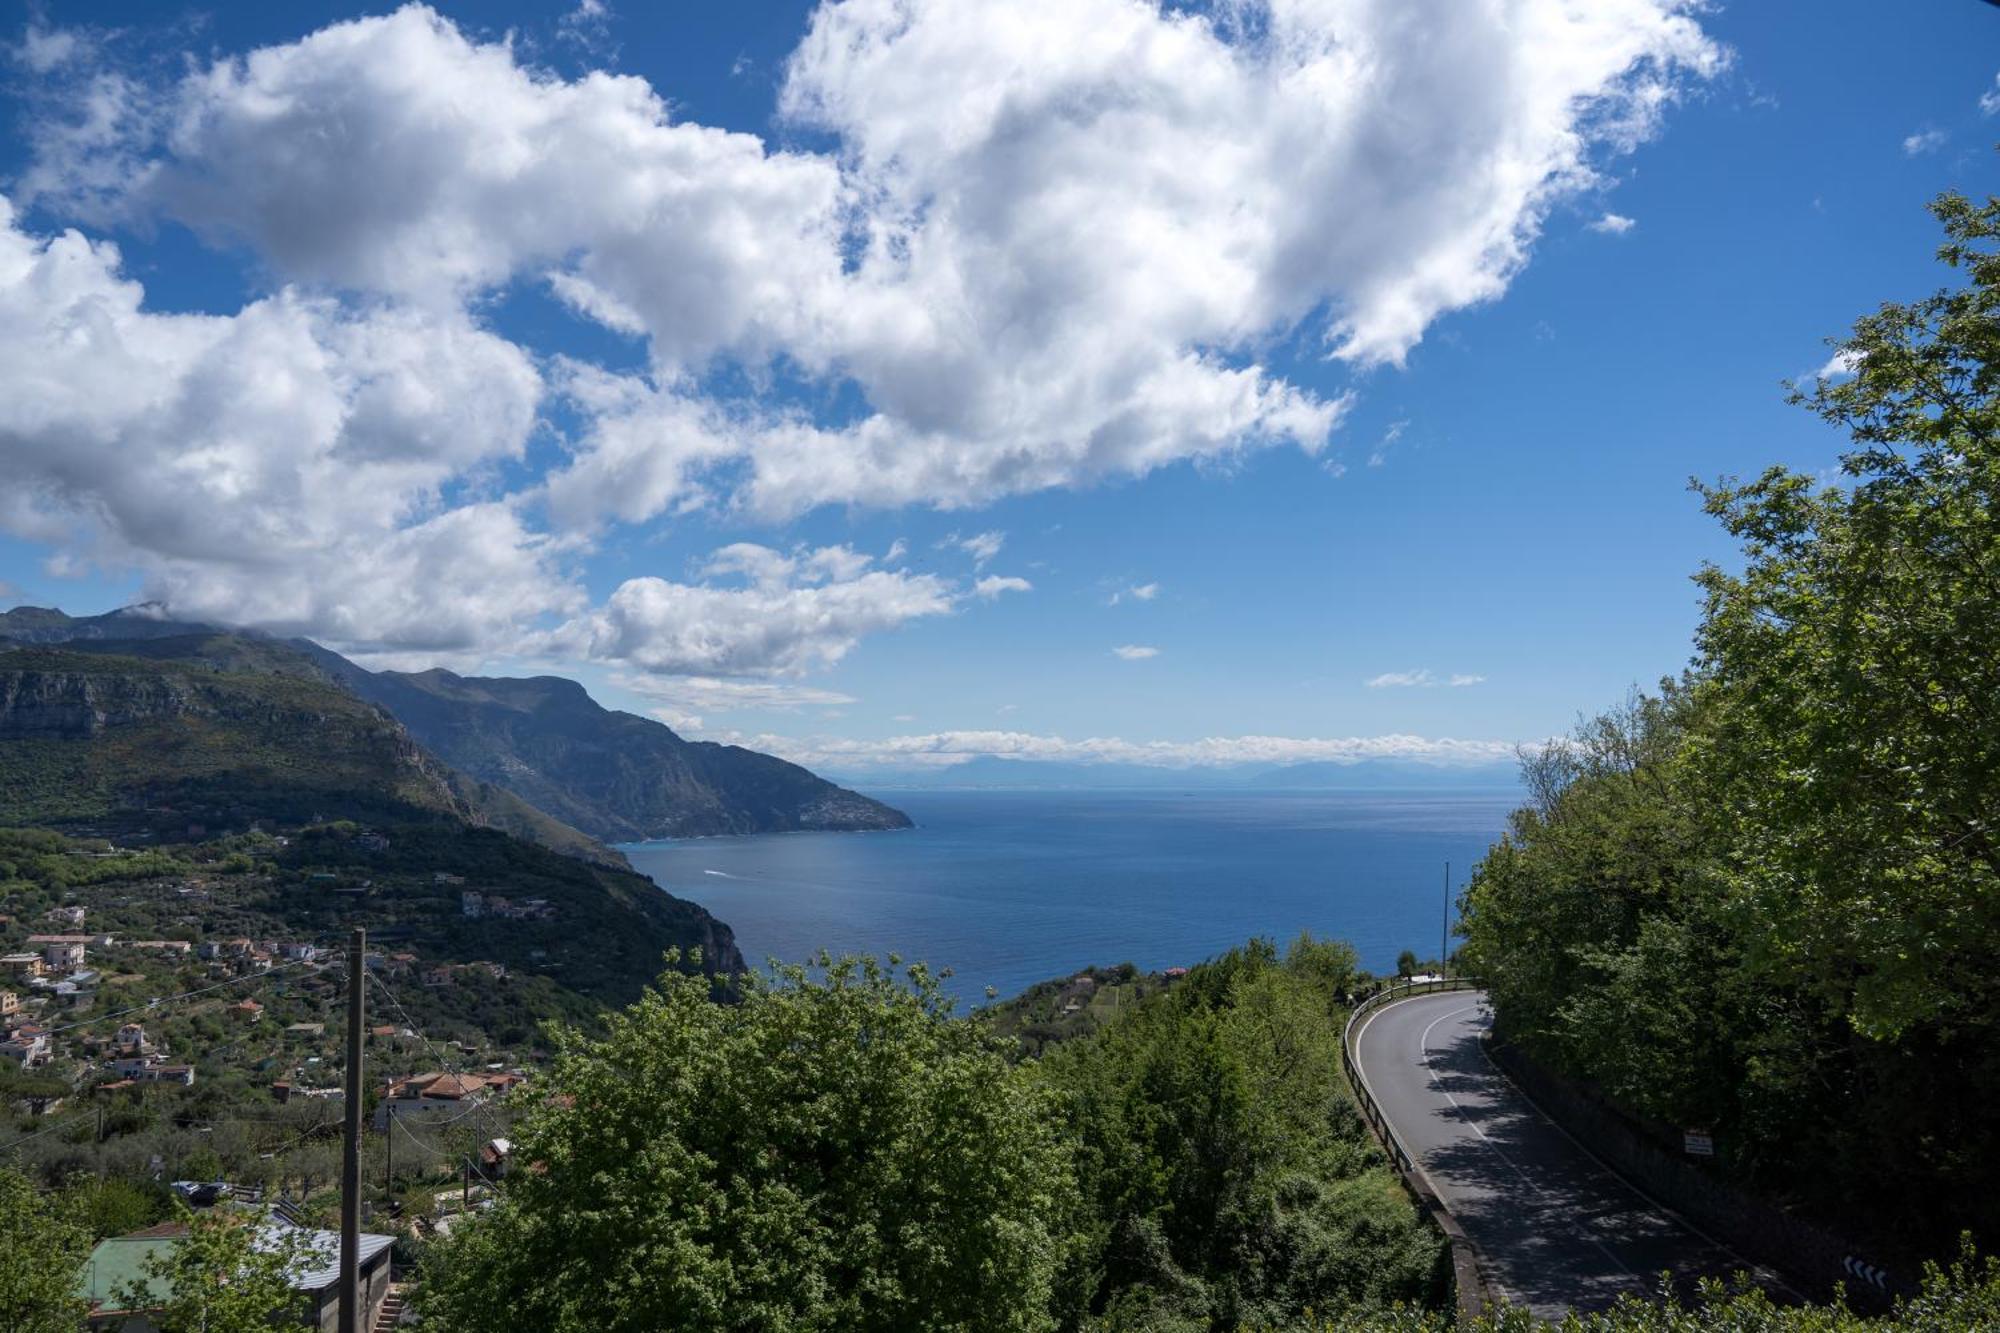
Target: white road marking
(1541,1195)
(1765,1276)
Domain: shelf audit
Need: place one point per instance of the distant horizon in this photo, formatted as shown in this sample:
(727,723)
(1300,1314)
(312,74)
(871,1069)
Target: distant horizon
(701,360)
(949,753)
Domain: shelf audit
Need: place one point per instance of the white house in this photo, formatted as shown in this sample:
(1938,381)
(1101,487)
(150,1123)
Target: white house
(29,1046)
(62,957)
(435,1094)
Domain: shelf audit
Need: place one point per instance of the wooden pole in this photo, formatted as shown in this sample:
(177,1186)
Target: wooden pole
(350,1158)
(1444,934)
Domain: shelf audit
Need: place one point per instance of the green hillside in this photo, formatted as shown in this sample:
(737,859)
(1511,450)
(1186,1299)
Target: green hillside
(125,742)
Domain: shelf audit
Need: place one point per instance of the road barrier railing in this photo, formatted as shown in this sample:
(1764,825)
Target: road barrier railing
(1388,995)
(1467,1275)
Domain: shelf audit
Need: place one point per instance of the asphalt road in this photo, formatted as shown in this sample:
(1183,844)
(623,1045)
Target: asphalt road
(1555,1230)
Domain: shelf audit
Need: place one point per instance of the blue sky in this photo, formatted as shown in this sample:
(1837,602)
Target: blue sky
(1373,350)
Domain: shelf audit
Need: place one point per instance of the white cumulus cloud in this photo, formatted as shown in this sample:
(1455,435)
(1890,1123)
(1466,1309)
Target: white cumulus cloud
(790,615)
(1038,244)
(1613,224)
(993,585)
(1422,679)
(1924,141)
(981,546)
(946,748)
(1138,592)
(687,701)
(1134,652)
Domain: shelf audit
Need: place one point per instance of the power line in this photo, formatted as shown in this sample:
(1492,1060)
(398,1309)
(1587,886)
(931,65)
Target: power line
(85,1113)
(158,1001)
(49,1129)
(450,1066)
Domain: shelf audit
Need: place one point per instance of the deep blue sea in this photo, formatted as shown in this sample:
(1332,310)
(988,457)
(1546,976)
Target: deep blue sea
(1011,888)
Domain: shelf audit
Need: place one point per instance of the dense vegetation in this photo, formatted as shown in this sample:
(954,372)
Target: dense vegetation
(1051,1012)
(839,1151)
(1226,1176)
(1766,900)
(1964,1298)
(130,742)
(605,937)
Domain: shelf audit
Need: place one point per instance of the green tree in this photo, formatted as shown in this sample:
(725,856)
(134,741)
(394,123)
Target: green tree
(1856,742)
(1768,899)
(832,1151)
(42,1248)
(1857,657)
(115,1206)
(1227,1178)
(228,1274)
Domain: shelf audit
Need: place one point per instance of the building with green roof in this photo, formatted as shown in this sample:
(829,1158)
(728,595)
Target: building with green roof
(122,1262)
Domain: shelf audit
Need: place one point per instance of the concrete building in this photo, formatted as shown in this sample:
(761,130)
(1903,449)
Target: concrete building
(122,1262)
(62,957)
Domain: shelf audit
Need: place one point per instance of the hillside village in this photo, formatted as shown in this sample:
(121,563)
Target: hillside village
(176,1014)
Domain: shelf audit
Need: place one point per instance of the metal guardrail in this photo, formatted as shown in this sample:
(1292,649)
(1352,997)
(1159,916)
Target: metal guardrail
(1394,1143)
(1468,1277)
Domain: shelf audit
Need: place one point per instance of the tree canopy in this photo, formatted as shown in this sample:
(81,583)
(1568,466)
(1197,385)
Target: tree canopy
(43,1243)
(1767,899)
(829,1152)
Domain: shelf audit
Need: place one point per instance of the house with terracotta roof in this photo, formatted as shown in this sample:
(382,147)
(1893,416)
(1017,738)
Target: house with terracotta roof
(27,1047)
(439,1094)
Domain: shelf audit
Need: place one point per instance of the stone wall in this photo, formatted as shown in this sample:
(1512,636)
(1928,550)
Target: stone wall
(1810,1257)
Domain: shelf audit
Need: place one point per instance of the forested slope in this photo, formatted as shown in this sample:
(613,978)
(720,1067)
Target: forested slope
(1766,900)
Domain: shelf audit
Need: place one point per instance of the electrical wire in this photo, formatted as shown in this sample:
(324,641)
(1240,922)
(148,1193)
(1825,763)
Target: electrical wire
(155,1003)
(450,1066)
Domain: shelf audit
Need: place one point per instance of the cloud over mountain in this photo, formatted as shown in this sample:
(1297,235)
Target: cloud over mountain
(1038,244)
(946,748)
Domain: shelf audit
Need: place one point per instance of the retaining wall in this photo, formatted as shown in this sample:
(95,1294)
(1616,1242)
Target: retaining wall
(1810,1257)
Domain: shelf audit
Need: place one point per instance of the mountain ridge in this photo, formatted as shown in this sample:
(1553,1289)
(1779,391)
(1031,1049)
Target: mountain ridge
(615,775)
(542,742)
(134,731)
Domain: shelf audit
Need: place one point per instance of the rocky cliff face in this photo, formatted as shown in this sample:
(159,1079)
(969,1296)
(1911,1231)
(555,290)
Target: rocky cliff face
(97,735)
(613,775)
(538,756)
(54,704)
(170,733)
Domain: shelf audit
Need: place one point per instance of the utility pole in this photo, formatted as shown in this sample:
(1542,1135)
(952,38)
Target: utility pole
(350,1157)
(389,1165)
(1444,934)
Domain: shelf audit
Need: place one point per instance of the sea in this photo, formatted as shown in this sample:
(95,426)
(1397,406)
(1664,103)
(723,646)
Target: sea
(1008,888)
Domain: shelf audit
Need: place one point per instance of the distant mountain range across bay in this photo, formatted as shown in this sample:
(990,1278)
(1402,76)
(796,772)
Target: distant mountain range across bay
(992,772)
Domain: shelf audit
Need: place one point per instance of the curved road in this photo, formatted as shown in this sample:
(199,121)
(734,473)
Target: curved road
(1555,1230)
